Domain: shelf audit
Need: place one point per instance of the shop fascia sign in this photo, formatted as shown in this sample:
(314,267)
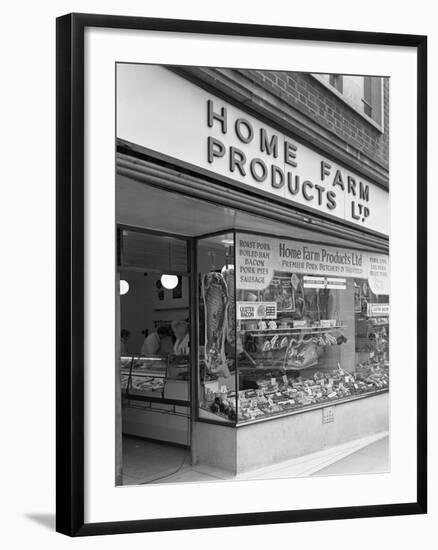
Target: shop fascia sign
(168,114)
(285,168)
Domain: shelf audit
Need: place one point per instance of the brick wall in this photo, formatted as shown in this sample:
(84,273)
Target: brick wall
(307,95)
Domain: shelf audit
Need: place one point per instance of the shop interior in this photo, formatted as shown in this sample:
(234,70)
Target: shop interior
(319,338)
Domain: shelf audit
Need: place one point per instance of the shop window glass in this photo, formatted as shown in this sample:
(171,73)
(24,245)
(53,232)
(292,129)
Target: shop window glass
(336,81)
(372,98)
(216,328)
(364,93)
(372,335)
(160,252)
(311,325)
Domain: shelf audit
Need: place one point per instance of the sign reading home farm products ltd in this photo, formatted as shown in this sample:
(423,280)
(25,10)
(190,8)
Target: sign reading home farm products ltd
(163,112)
(259,257)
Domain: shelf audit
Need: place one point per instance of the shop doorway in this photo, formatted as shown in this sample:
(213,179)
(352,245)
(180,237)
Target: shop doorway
(155,364)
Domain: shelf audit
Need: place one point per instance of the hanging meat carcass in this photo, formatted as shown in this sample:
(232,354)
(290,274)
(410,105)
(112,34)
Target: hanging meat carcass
(228,274)
(215,294)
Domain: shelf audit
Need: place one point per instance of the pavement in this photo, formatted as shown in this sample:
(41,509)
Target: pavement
(153,462)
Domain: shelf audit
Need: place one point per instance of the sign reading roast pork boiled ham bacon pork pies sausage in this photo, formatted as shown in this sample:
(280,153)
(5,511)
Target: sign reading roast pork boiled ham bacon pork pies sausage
(165,113)
(258,257)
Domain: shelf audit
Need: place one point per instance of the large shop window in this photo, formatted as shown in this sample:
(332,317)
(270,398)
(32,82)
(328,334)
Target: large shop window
(287,325)
(217,328)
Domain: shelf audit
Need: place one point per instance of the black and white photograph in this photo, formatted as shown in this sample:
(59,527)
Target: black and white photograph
(218,282)
(241,306)
(252,274)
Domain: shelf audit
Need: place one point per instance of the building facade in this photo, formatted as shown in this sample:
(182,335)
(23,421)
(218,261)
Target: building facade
(253,238)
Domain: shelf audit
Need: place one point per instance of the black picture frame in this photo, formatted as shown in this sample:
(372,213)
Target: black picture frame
(70,272)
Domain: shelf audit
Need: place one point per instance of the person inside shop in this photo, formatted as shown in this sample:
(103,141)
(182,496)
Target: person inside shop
(124,337)
(158,342)
(178,368)
(181,332)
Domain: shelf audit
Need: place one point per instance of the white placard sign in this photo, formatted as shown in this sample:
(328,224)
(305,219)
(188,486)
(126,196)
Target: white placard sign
(163,112)
(258,257)
(256,310)
(378,310)
(331,283)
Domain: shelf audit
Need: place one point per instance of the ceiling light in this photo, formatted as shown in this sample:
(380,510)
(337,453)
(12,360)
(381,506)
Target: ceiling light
(169,281)
(124,287)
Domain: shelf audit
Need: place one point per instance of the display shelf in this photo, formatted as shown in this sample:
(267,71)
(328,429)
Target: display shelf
(276,395)
(275,367)
(371,321)
(147,394)
(154,366)
(144,373)
(259,367)
(312,406)
(291,330)
(300,368)
(297,334)
(143,377)
(153,399)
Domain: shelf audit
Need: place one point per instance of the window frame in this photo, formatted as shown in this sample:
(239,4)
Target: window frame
(380,127)
(196,370)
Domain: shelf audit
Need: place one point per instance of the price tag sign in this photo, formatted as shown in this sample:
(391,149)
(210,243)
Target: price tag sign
(328,415)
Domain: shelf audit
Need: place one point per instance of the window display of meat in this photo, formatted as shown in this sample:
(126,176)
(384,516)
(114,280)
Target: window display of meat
(286,393)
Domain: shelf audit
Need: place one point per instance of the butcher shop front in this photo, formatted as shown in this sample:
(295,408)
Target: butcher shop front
(254,285)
